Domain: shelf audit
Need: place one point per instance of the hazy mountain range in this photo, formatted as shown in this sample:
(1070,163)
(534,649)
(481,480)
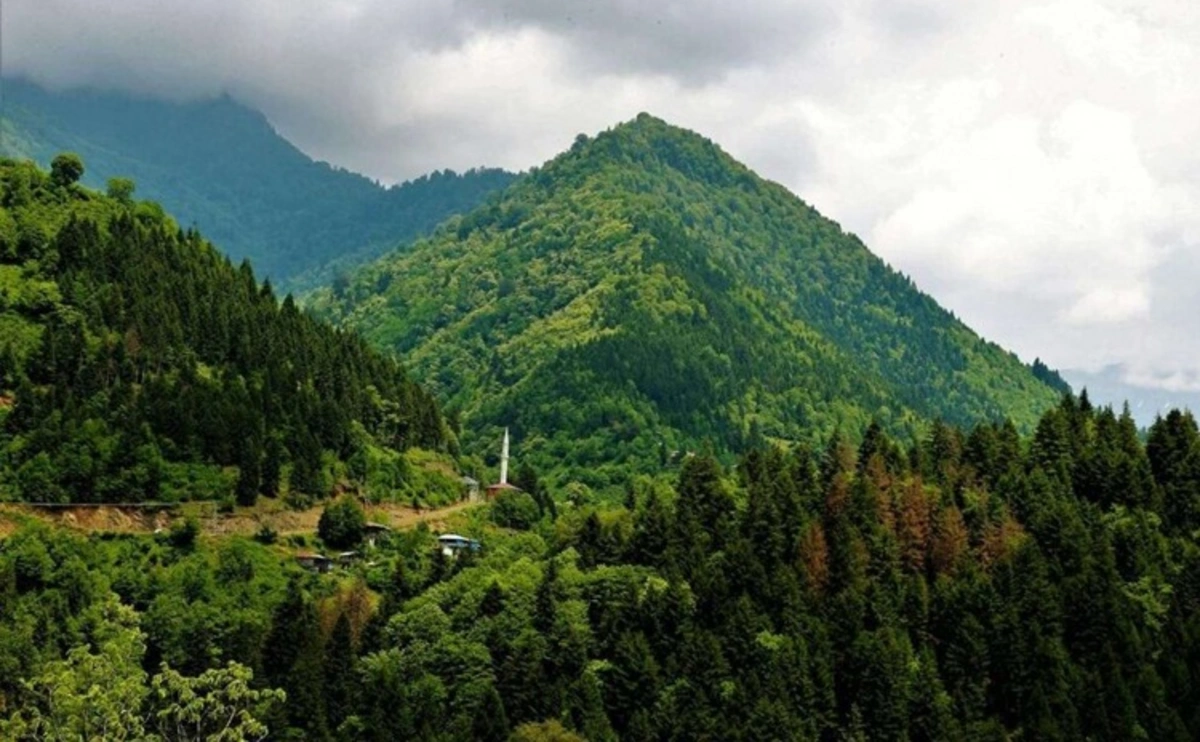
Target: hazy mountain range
(223,167)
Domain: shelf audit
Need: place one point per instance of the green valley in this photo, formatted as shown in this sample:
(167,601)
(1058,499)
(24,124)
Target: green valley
(855,409)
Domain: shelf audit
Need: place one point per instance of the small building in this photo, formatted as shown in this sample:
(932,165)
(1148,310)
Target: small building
(494,490)
(348,557)
(452,544)
(315,562)
(470,489)
(373,533)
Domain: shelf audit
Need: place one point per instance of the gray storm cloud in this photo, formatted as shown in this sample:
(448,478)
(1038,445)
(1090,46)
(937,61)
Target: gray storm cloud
(1029,162)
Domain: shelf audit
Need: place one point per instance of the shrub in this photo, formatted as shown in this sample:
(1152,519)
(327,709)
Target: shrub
(184,533)
(513,509)
(266,535)
(342,524)
(66,169)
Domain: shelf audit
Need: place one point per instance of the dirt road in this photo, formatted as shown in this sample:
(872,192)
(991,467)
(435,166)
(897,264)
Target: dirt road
(244,521)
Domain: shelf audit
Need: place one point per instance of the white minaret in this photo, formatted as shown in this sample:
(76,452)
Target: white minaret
(504,459)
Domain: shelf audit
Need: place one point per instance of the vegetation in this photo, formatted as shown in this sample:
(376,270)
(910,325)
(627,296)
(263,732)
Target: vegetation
(221,166)
(342,524)
(643,293)
(975,585)
(871,567)
(136,363)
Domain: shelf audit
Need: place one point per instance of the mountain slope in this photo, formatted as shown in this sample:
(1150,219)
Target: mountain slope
(644,291)
(222,167)
(137,363)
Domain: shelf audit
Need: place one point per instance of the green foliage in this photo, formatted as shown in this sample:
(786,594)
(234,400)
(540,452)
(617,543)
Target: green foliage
(266,535)
(515,509)
(976,586)
(91,694)
(184,533)
(121,189)
(220,705)
(341,524)
(546,731)
(644,293)
(224,167)
(144,366)
(100,691)
(66,169)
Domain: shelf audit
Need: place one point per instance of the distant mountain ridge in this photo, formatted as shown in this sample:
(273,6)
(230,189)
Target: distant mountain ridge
(223,167)
(643,292)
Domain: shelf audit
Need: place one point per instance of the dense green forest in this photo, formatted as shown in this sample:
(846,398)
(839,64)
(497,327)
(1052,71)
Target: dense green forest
(643,293)
(221,167)
(137,363)
(976,585)
(921,538)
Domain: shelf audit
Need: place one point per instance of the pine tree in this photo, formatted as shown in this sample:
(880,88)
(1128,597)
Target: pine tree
(272,465)
(490,722)
(340,682)
(632,682)
(249,475)
(493,601)
(545,610)
(293,660)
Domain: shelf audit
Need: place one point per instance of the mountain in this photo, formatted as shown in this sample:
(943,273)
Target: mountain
(643,293)
(221,166)
(137,363)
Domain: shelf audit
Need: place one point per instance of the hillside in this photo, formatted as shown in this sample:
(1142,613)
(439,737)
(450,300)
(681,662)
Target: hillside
(221,166)
(1005,589)
(137,363)
(643,293)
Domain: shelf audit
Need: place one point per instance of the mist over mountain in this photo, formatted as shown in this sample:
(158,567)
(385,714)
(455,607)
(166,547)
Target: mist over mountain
(221,166)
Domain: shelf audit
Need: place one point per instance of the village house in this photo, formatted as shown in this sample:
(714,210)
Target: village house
(373,533)
(315,562)
(470,489)
(452,544)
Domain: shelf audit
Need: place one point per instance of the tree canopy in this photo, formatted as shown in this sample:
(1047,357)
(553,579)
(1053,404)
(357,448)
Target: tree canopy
(974,585)
(137,363)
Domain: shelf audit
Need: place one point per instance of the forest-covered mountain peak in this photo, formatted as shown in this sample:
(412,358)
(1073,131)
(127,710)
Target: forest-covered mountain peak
(646,130)
(643,293)
(647,141)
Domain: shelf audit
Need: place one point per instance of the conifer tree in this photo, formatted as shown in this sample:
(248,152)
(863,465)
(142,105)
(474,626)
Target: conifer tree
(340,682)
(490,722)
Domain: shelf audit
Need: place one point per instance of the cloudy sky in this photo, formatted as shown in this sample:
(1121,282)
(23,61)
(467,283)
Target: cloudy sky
(1030,164)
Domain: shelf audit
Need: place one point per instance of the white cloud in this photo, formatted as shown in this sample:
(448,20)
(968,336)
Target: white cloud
(1032,195)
